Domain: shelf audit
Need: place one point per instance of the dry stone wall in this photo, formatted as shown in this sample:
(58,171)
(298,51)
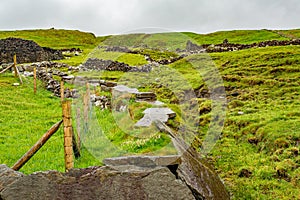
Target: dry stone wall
(27,51)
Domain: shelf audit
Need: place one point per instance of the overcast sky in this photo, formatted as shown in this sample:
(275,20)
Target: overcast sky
(104,17)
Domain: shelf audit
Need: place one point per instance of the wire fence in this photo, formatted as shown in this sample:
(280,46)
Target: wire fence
(24,118)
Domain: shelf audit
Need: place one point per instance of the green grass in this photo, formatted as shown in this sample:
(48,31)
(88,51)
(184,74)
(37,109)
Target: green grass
(236,36)
(130,59)
(268,82)
(292,34)
(24,118)
(54,38)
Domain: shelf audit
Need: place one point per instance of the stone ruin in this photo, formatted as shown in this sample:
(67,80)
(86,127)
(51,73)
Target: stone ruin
(109,65)
(27,51)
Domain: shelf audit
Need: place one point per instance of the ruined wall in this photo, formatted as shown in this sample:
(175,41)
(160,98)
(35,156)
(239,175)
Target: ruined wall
(27,51)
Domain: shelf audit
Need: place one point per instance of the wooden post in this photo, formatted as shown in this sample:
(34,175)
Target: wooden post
(37,146)
(78,128)
(76,149)
(68,135)
(62,91)
(15,66)
(86,101)
(7,68)
(18,73)
(34,80)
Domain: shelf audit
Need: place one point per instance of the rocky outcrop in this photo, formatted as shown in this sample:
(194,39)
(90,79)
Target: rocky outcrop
(27,51)
(193,48)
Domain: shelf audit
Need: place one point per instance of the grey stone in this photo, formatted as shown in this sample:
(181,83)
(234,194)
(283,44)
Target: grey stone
(143,161)
(125,89)
(8,176)
(68,78)
(153,114)
(16,84)
(118,182)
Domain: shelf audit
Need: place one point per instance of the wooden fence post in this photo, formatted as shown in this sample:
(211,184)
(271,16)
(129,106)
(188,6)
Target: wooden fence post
(86,101)
(78,128)
(34,80)
(62,90)
(22,161)
(15,66)
(68,135)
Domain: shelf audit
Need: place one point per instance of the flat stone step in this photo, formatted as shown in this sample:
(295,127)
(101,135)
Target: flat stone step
(125,89)
(153,114)
(144,161)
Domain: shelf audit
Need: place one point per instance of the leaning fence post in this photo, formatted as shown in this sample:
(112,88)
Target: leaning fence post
(26,157)
(68,135)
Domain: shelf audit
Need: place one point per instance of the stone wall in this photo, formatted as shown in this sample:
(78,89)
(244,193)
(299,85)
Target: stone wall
(226,46)
(109,65)
(123,178)
(27,51)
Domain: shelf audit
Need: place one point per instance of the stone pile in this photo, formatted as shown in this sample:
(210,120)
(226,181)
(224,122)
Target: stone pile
(45,64)
(102,102)
(27,51)
(96,64)
(194,48)
(54,85)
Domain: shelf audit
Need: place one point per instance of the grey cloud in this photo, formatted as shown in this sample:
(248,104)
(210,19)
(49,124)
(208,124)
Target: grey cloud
(116,16)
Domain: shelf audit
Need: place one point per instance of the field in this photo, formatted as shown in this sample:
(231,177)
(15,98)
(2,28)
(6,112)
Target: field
(257,153)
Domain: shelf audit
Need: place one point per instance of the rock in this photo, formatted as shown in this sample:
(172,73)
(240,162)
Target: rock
(28,74)
(110,84)
(144,161)
(145,96)
(125,89)
(200,177)
(116,182)
(68,78)
(8,176)
(154,114)
(194,170)
(16,84)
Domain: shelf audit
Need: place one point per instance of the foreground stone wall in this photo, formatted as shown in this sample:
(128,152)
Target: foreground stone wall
(124,178)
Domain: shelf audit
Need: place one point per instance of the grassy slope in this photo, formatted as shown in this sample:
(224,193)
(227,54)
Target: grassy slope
(24,118)
(60,39)
(239,37)
(267,80)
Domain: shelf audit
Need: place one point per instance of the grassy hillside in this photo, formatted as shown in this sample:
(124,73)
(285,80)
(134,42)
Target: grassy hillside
(24,118)
(237,36)
(60,39)
(257,154)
